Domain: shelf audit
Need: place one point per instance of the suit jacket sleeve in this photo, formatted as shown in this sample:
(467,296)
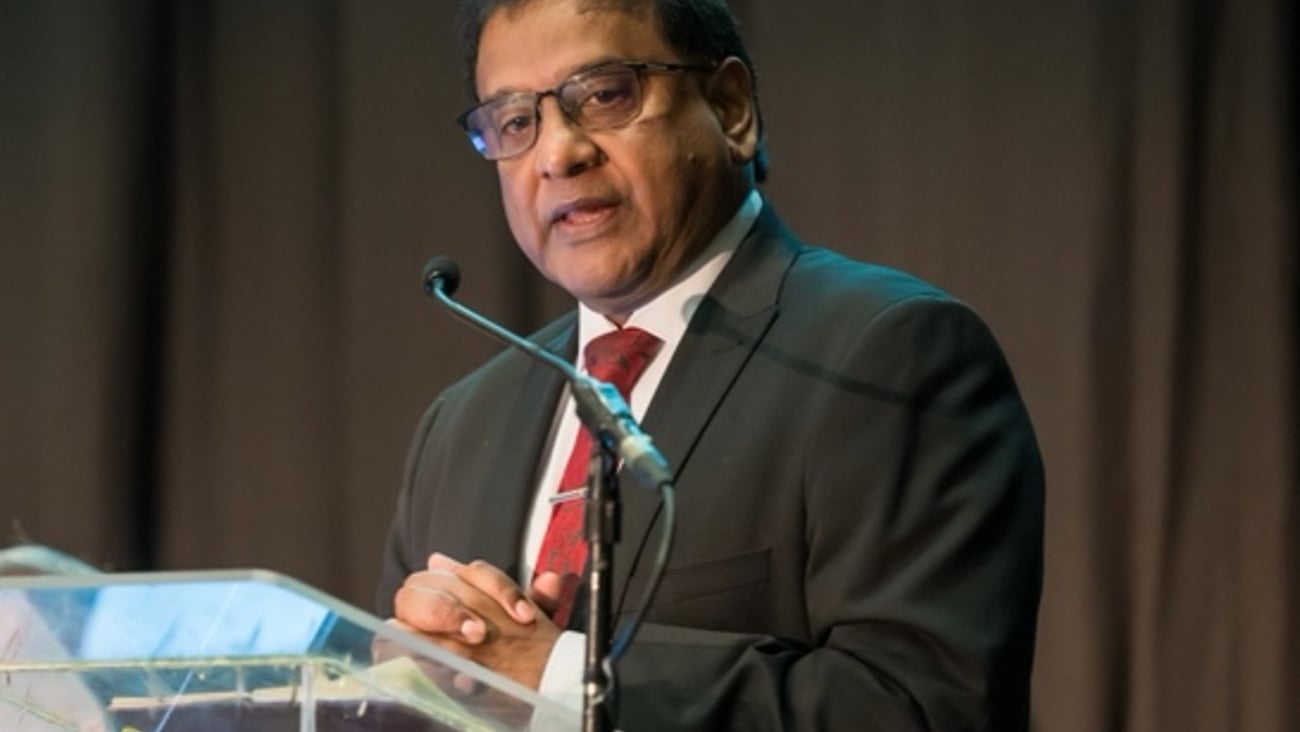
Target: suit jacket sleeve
(922,513)
(403,532)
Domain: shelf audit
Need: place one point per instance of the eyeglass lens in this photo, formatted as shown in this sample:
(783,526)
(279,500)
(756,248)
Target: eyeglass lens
(598,99)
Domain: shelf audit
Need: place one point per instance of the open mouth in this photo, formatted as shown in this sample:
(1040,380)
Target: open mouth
(583,211)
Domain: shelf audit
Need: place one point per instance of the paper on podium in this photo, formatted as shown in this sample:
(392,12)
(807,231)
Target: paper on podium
(216,651)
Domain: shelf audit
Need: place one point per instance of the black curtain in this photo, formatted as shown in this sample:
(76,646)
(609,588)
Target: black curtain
(213,215)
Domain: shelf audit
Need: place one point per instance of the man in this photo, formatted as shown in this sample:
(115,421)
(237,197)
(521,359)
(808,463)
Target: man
(859,491)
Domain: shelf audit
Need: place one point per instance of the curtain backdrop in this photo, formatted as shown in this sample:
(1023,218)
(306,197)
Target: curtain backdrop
(215,348)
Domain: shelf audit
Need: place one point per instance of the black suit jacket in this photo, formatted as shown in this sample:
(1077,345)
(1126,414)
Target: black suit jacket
(859,495)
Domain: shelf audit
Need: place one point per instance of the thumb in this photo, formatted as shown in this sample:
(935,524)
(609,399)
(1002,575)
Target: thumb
(545,591)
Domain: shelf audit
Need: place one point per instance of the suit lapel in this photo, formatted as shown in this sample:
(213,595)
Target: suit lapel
(722,335)
(513,474)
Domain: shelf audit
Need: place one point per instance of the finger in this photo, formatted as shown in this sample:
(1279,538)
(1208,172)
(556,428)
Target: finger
(500,587)
(438,561)
(465,684)
(435,611)
(383,649)
(545,591)
(441,563)
(487,580)
(400,625)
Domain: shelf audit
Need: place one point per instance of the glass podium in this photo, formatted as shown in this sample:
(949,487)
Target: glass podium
(226,651)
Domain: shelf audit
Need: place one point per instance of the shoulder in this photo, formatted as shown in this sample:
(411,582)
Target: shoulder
(808,280)
(828,307)
(494,387)
(872,323)
(833,284)
(836,296)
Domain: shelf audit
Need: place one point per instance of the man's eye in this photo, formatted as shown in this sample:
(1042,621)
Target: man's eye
(516,125)
(607,96)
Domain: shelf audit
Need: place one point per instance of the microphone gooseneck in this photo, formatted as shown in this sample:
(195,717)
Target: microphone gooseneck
(599,405)
(441,278)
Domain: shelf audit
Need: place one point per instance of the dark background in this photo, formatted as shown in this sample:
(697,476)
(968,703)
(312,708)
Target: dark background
(213,216)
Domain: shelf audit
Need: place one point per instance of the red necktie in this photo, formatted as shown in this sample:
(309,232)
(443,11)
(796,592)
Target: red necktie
(618,358)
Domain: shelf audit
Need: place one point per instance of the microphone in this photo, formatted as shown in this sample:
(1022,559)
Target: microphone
(441,272)
(599,405)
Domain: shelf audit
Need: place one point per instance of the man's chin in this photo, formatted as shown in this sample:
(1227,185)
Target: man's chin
(615,303)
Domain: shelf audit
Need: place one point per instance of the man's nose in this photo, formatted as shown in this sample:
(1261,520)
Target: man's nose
(563,148)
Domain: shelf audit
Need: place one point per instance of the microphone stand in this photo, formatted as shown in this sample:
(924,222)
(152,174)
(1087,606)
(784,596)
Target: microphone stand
(601,526)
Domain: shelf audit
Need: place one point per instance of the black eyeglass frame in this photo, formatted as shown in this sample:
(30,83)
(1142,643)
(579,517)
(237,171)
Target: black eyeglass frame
(640,67)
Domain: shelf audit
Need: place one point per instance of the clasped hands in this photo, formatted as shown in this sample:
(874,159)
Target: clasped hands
(478,612)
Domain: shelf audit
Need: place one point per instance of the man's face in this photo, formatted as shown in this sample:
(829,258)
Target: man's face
(612,216)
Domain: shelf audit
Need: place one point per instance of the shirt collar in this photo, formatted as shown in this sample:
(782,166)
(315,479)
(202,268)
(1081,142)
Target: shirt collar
(668,314)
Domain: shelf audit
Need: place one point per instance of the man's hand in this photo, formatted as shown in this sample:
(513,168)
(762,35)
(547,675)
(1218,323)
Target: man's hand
(475,610)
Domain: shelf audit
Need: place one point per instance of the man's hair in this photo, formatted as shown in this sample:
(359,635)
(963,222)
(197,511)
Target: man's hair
(701,31)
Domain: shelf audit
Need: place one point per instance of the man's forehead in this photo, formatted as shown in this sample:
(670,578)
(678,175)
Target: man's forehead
(522,47)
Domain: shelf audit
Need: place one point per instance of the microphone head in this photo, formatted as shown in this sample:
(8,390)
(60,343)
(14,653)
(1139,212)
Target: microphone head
(441,269)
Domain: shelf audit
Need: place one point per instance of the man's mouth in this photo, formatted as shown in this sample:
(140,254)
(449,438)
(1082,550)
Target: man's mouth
(582,211)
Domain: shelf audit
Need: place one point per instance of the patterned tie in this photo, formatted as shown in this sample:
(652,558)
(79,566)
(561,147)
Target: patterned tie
(618,358)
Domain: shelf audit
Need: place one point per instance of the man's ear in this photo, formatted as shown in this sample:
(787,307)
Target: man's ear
(731,94)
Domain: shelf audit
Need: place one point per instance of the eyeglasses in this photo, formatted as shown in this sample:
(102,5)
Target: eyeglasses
(600,98)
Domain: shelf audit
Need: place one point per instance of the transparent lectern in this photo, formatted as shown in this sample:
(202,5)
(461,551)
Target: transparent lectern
(226,651)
